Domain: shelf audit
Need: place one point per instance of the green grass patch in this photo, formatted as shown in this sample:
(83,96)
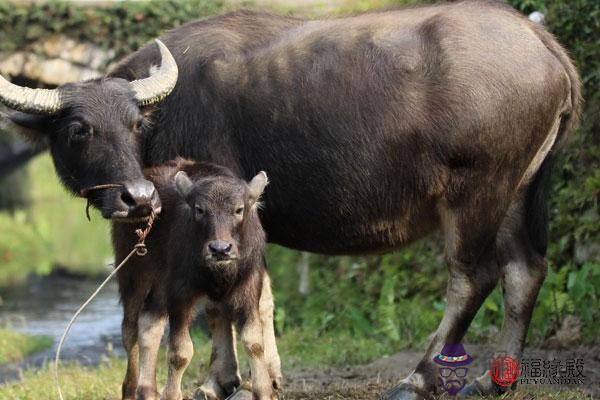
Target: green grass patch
(302,348)
(15,346)
(77,382)
(95,383)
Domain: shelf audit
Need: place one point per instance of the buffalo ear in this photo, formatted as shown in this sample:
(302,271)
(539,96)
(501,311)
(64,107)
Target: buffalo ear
(31,126)
(257,186)
(183,183)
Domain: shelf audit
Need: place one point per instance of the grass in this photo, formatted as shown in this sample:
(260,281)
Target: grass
(16,346)
(298,350)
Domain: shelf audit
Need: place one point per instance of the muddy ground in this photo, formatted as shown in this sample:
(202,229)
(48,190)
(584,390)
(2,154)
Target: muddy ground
(372,380)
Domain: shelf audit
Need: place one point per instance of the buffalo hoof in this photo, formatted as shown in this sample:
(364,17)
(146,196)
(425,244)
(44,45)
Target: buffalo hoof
(203,393)
(242,394)
(406,391)
(478,388)
(200,395)
(472,389)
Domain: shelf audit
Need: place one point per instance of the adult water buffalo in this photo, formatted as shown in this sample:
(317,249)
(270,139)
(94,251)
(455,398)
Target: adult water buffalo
(375,129)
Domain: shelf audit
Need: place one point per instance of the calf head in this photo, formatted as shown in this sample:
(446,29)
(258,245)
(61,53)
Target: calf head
(92,128)
(224,213)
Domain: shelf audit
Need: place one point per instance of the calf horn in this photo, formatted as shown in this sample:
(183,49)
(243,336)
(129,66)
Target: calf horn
(160,83)
(47,101)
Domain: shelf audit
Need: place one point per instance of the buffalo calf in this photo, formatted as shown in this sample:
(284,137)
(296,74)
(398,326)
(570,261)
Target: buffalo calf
(208,241)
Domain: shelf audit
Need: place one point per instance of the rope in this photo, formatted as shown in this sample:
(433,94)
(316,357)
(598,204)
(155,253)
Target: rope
(85,193)
(140,250)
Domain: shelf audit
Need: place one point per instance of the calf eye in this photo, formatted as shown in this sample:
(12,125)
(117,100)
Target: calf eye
(239,211)
(199,211)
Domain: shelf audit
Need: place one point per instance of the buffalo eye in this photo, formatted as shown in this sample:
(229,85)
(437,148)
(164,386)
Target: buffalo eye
(199,211)
(78,132)
(239,211)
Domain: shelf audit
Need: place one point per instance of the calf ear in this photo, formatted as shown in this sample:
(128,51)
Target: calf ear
(257,185)
(30,126)
(183,184)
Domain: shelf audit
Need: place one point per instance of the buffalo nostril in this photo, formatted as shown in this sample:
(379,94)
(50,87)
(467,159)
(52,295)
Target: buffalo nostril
(139,194)
(128,199)
(219,247)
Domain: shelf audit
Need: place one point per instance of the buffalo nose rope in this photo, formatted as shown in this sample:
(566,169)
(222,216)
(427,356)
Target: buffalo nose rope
(140,250)
(85,193)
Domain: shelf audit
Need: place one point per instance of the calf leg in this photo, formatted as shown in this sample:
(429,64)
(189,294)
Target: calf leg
(251,332)
(224,376)
(181,348)
(151,328)
(473,273)
(266,309)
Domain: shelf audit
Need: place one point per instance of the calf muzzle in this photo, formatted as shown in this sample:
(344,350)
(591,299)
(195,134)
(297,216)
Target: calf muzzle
(220,249)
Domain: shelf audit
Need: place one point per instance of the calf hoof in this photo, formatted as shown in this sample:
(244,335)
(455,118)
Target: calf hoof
(212,390)
(406,391)
(147,395)
(172,396)
(277,383)
(245,392)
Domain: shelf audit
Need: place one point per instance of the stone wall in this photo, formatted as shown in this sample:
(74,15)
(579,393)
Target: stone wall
(56,60)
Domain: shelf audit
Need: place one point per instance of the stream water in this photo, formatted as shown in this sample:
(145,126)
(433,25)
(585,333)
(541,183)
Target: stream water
(44,306)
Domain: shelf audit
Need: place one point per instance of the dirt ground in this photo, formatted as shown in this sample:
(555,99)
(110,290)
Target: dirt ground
(372,380)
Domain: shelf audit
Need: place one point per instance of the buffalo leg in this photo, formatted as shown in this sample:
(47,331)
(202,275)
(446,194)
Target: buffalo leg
(181,348)
(224,376)
(133,294)
(151,328)
(473,273)
(129,334)
(523,270)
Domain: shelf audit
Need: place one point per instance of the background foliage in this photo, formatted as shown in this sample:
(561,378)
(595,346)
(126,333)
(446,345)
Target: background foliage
(394,300)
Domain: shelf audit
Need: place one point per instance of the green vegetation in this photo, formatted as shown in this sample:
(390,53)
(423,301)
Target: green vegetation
(52,232)
(77,382)
(122,27)
(15,346)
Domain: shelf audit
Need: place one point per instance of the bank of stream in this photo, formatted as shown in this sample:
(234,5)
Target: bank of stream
(44,305)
